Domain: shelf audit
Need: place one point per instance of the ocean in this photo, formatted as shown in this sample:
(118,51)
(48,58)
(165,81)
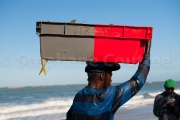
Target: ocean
(52,102)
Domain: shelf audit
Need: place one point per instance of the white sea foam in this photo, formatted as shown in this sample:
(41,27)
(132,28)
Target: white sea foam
(154,94)
(138,97)
(46,104)
(138,100)
(33,113)
(51,106)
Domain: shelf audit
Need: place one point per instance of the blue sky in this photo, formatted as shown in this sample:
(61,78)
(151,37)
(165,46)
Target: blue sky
(20,48)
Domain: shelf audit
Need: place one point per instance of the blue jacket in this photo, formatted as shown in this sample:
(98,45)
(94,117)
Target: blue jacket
(93,104)
(166,112)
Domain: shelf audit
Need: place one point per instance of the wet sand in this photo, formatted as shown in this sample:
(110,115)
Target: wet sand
(139,113)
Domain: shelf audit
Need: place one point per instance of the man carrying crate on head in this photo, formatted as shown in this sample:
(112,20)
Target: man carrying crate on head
(99,100)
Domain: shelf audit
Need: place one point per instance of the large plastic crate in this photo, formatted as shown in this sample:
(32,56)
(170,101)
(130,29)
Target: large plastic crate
(92,42)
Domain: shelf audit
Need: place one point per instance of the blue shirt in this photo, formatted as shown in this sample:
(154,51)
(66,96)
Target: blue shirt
(93,104)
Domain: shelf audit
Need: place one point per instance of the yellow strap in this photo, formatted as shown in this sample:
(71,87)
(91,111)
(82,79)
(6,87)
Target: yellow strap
(43,62)
(43,69)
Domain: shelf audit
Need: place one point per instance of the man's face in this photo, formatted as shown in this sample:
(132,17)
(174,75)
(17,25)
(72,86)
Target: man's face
(169,91)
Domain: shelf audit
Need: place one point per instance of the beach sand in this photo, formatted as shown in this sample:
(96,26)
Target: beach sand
(139,113)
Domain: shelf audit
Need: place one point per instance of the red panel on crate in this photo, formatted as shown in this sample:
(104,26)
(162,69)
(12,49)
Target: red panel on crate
(122,44)
(123,51)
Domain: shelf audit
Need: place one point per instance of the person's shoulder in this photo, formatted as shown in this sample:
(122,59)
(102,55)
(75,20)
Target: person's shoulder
(111,88)
(160,95)
(176,94)
(80,91)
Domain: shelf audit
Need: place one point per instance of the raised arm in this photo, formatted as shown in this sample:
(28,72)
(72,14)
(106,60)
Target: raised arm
(128,89)
(139,78)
